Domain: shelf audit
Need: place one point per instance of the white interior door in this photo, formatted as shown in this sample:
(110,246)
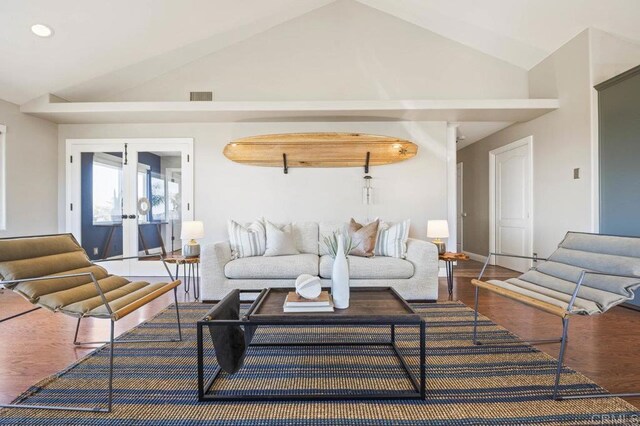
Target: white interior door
(121,203)
(512,203)
(460,214)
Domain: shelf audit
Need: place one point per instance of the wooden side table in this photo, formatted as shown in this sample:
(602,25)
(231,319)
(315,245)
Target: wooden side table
(190,272)
(449,258)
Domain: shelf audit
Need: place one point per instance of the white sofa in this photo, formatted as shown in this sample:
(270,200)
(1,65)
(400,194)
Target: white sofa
(415,278)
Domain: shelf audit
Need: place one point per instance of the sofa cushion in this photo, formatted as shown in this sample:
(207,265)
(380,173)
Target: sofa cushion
(581,306)
(392,239)
(280,240)
(306,236)
(363,237)
(247,240)
(33,290)
(118,288)
(122,297)
(383,268)
(325,230)
(280,267)
(79,293)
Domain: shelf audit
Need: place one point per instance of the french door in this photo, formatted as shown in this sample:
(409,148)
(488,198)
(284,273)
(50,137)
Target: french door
(129,197)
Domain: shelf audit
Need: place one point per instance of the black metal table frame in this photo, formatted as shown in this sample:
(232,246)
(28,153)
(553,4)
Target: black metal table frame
(449,268)
(418,384)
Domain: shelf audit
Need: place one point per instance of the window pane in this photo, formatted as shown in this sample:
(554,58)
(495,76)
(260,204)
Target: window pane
(107,194)
(158,203)
(160,232)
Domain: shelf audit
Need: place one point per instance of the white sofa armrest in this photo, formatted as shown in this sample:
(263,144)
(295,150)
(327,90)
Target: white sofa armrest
(424,256)
(213,259)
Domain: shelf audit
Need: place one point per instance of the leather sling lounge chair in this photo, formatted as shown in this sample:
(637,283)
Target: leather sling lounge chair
(587,275)
(54,272)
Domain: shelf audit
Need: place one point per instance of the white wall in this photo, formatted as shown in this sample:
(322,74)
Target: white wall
(31,172)
(562,141)
(611,55)
(341,51)
(414,189)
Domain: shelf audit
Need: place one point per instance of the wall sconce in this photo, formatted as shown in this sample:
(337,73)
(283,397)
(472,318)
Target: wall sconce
(367,191)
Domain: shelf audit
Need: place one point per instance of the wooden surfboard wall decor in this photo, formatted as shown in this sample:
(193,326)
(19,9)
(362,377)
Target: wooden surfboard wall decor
(319,150)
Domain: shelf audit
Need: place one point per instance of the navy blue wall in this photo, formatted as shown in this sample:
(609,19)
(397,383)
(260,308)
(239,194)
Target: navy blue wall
(96,236)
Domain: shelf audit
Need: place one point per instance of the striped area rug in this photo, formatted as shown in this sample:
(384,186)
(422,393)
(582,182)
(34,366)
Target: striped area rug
(155,384)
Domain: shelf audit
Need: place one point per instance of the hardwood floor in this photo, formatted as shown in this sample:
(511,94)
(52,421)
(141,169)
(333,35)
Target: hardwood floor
(604,348)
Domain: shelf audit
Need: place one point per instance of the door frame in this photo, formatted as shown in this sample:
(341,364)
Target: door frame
(73,197)
(460,213)
(526,141)
(3,177)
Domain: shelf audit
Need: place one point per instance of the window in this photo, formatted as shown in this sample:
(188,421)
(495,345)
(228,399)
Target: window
(3,223)
(158,200)
(107,189)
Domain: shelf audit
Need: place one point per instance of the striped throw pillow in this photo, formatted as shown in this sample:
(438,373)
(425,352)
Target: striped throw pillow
(247,241)
(392,239)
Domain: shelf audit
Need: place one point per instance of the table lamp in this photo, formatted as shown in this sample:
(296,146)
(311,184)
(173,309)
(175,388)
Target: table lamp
(191,230)
(438,229)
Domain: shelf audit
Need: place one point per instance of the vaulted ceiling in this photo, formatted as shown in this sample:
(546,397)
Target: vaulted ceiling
(102,45)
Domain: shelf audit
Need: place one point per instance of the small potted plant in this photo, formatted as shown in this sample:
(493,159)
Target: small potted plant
(339,248)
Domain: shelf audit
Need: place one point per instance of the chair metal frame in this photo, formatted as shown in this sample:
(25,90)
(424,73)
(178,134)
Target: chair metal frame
(565,329)
(111,342)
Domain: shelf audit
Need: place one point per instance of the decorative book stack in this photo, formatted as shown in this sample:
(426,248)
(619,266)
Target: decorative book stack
(296,303)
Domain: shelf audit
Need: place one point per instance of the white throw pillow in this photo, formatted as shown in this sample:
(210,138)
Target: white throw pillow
(392,239)
(247,241)
(280,240)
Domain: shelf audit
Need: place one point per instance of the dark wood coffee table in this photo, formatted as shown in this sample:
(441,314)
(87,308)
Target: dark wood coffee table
(369,306)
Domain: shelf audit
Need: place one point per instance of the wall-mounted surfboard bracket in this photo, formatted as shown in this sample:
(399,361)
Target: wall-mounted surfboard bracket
(284,164)
(366,163)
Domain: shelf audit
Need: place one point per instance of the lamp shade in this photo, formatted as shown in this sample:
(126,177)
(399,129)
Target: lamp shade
(437,229)
(192,230)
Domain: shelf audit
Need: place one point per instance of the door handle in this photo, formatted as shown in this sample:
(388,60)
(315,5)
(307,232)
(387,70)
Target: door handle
(133,216)
(124,216)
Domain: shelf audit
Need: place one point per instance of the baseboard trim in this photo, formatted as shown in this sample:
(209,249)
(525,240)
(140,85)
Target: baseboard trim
(630,306)
(476,257)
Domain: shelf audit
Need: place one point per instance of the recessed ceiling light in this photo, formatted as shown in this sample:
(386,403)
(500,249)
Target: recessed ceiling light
(41,30)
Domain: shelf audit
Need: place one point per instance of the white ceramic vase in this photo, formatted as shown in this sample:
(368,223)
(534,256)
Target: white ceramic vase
(340,277)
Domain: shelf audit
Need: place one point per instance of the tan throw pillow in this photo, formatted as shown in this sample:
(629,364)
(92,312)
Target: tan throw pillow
(363,237)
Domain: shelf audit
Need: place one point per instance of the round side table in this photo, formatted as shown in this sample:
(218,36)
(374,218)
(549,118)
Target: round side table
(449,258)
(190,272)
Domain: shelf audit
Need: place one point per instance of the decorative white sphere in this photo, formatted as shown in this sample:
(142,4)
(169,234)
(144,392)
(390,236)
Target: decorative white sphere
(308,286)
